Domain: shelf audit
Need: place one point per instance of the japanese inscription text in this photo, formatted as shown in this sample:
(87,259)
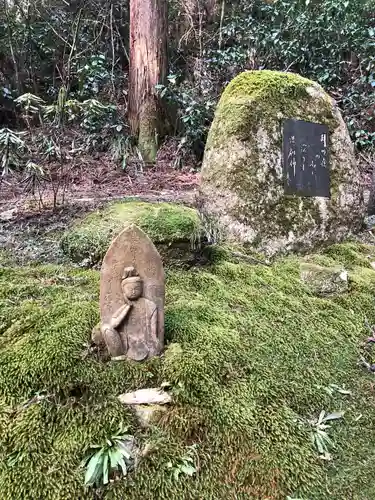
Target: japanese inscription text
(306,162)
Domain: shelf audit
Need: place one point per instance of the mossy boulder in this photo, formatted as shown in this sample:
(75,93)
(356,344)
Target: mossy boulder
(174,229)
(253,358)
(242,182)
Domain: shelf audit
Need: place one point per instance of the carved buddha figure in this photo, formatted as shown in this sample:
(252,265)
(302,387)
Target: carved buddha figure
(132,330)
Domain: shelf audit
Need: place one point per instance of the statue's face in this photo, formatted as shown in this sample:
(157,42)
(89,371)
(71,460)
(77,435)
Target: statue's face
(132,289)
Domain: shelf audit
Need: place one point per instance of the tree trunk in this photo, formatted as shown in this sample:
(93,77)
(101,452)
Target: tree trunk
(148,67)
(371,202)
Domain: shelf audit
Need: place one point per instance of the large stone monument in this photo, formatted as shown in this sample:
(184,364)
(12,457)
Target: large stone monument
(279,171)
(132,297)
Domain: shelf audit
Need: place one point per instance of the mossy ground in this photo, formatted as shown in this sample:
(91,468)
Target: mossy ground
(166,224)
(250,350)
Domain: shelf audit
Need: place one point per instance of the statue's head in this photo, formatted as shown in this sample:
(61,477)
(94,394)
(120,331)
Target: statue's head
(131,284)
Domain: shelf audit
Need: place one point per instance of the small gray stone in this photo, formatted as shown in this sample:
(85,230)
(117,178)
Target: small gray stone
(131,446)
(370,221)
(155,396)
(324,280)
(148,414)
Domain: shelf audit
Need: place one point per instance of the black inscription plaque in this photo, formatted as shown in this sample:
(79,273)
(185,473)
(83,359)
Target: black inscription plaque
(306,168)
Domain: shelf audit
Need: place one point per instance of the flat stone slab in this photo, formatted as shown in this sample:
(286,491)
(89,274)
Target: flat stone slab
(154,396)
(324,280)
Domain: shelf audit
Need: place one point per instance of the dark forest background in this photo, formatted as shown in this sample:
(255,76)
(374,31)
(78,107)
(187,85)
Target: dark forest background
(64,71)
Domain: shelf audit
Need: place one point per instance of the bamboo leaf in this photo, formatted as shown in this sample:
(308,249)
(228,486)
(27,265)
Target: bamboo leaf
(92,472)
(344,391)
(188,469)
(328,440)
(114,456)
(321,416)
(122,464)
(85,460)
(322,434)
(122,437)
(334,416)
(105,469)
(322,427)
(319,444)
(124,450)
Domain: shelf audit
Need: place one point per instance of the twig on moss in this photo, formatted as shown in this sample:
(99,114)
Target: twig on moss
(248,258)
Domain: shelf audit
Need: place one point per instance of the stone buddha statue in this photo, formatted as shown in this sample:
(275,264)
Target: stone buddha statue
(132,331)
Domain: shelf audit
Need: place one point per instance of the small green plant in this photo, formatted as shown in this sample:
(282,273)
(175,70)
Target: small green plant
(93,75)
(33,181)
(61,110)
(319,435)
(91,115)
(31,105)
(114,458)
(50,149)
(96,114)
(12,149)
(122,147)
(186,464)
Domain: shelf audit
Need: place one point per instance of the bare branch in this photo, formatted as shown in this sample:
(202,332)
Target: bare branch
(75,35)
(221,23)
(113,50)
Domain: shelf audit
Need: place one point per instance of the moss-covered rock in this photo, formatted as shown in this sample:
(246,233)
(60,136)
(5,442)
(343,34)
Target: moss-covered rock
(174,229)
(242,188)
(324,280)
(253,355)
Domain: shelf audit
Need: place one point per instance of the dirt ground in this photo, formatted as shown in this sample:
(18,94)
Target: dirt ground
(31,232)
(99,179)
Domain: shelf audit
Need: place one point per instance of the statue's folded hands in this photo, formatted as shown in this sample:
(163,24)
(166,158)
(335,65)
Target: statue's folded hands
(120,315)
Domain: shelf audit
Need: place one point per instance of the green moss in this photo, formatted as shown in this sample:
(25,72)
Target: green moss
(257,98)
(351,254)
(171,227)
(263,84)
(5,257)
(148,131)
(250,351)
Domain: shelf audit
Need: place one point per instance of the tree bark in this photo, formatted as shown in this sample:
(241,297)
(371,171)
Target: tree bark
(148,67)
(371,202)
